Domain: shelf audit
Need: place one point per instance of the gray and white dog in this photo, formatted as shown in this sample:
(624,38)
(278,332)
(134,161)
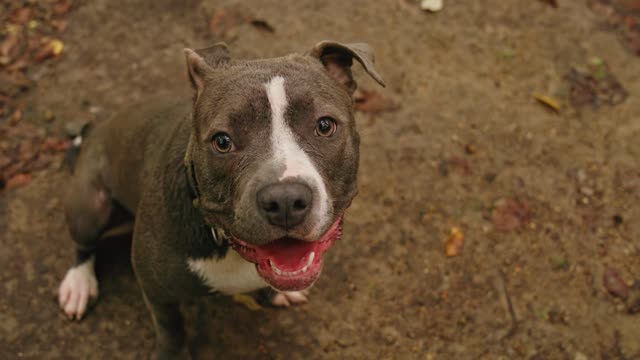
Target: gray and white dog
(242,188)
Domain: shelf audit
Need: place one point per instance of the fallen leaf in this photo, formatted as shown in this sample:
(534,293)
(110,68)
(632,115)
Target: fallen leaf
(33,24)
(553,3)
(432,5)
(55,145)
(455,242)
(614,283)
(371,101)
(16,117)
(19,64)
(548,101)
(59,25)
(509,215)
(62,7)
(57,46)
(18,180)
(248,301)
(9,44)
(262,25)
(51,49)
(21,15)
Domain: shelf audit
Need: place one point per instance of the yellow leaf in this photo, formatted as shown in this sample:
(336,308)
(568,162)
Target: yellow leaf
(56,46)
(548,101)
(247,301)
(455,242)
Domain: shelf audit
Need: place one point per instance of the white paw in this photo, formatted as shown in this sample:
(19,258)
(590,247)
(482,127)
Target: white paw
(77,289)
(288,298)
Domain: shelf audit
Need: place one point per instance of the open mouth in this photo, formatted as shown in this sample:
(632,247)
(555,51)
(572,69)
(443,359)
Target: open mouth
(289,264)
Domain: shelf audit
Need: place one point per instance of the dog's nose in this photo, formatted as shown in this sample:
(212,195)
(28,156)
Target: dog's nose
(285,204)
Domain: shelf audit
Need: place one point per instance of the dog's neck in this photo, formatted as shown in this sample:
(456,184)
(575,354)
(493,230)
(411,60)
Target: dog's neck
(219,236)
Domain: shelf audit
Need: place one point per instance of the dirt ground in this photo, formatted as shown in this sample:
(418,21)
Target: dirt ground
(547,201)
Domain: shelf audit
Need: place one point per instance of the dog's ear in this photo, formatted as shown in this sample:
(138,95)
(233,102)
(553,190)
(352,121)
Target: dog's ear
(337,58)
(202,61)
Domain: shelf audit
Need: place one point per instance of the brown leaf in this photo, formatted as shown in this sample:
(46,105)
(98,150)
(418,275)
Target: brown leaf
(18,180)
(262,25)
(62,7)
(50,49)
(19,64)
(21,15)
(16,117)
(455,242)
(553,3)
(371,101)
(59,25)
(55,145)
(9,44)
(614,283)
(509,215)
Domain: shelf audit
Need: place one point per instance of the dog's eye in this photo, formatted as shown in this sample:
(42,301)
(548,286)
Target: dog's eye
(222,143)
(326,127)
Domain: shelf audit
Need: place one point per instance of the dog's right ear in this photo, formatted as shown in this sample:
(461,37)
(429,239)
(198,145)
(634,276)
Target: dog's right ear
(201,62)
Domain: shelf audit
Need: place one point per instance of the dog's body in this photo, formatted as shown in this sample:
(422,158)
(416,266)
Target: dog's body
(242,189)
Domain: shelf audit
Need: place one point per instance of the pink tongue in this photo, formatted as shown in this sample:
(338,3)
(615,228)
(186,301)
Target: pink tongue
(288,254)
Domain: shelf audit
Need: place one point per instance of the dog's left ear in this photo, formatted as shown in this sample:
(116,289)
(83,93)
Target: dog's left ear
(337,58)
(203,61)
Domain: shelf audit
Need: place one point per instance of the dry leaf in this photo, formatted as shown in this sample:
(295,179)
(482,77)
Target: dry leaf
(371,101)
(548,101)
(18,180)
(51,49)
(62,7)
(248,301)
(8,45)
(553,3)
(59,25)
(614,283)
(55,145)
(455,242)
(21,15)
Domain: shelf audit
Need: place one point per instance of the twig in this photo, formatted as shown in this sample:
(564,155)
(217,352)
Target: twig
(514,321)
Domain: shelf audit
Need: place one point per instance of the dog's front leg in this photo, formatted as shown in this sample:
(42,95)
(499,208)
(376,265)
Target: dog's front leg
(169,329)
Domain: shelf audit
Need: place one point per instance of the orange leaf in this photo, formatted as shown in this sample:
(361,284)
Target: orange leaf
(455,242)
(18,180)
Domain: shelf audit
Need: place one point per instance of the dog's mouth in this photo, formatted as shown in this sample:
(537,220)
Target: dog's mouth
(289,264)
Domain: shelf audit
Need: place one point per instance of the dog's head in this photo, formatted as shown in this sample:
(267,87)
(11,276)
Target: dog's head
(274,153)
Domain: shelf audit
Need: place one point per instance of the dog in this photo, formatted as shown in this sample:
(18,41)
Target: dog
(244,187)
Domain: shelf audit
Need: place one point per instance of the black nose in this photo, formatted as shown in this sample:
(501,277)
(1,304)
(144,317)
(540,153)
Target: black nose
(285,204)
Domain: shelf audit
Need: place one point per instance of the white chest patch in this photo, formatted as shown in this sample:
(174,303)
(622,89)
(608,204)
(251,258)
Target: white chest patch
(230,275)
(287,151)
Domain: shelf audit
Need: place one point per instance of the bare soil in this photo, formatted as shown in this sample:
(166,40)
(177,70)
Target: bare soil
(546,200)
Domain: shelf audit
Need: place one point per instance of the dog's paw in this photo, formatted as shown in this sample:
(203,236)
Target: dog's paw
(288,298)
(78,288)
